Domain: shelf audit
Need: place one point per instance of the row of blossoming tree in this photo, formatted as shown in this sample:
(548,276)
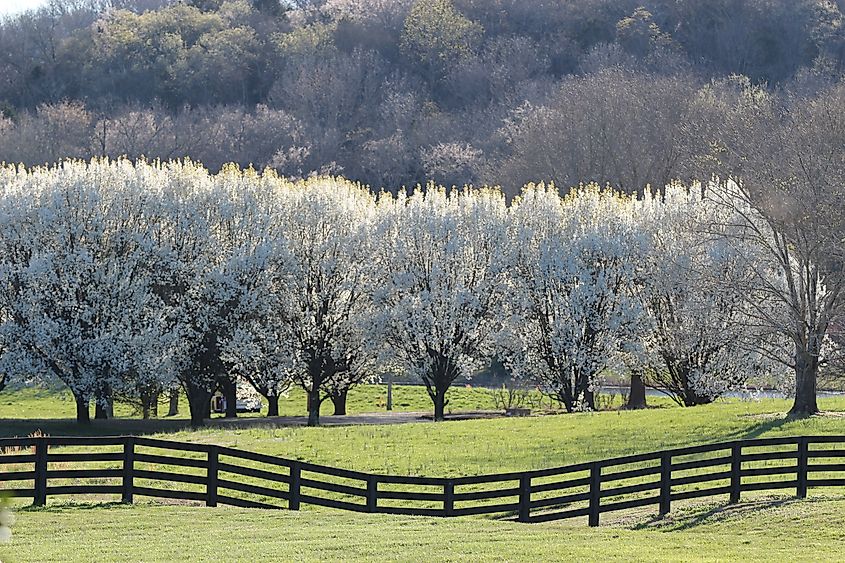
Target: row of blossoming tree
(127,279)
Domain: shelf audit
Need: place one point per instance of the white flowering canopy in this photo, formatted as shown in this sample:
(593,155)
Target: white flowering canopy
(701,340)
(573,309)
(443,283)
(121,277)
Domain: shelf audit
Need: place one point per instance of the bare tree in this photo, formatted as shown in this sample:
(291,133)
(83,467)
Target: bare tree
(790,201)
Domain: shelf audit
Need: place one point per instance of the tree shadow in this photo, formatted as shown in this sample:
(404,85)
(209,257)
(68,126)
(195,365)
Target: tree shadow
(765,427)
(684,520)
(75,506)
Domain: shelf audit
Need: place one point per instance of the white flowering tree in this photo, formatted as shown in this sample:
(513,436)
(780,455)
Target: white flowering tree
(698,343)
(572,311)
(76,291)
(319,288)
(191,253)
(443,285)
(252,347)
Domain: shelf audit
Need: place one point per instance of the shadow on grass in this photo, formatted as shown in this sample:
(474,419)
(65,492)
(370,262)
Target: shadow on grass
(763,427)
(80,506)
(690,517)
(11,427)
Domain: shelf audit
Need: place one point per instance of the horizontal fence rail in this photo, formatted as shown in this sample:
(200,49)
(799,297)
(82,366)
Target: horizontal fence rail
(134,466)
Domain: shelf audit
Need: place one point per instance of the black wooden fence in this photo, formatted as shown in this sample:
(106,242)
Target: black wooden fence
(141,467)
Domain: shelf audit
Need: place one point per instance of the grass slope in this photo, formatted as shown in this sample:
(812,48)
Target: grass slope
(810,530)
(760,528)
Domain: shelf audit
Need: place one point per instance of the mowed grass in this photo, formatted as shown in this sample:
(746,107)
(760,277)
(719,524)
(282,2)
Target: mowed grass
(34,402)
(759,528)
(456,448)
(474,447)
(765,530)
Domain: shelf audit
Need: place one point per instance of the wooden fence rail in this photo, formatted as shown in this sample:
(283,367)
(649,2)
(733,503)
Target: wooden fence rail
(135,466)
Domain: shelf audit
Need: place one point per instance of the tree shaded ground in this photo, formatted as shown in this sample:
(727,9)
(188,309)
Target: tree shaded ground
(25,410)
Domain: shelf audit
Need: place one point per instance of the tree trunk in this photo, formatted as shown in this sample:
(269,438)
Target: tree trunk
(154,405)
(230,393)
(314,406)
(806,374)
(83,415)
(339,401)
(273,405)
(199,402)
(174,403)
(147,402)
(439,404)
(636,394)
(590,399)
(390,392)
(100,411)
(566,399)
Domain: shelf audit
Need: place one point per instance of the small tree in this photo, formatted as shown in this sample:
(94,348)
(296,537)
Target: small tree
(321,284)
(571,309)
(444,282)
(435,34)
(697,345)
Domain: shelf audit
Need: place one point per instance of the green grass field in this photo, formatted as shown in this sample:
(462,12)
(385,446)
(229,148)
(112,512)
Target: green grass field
(760,528)
(810,530)
(58,403)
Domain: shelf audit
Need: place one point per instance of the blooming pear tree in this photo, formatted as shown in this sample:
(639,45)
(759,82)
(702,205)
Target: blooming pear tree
(320,288)
(252,347)
(191,255)
(571,311)
(443,283)
(698,343)
(76,286)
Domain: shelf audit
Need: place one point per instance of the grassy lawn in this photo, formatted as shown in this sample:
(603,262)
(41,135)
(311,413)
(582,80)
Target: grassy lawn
(58,403)
(810,530)
(466,447)
(757,529)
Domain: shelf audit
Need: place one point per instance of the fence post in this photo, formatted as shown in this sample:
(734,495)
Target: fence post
(665,483)
(736,472)
(525,498)
(449,498)
(803,455)
(595,493)
(211,483)
(295,473)
(40,496)
(372,493)
(128,469)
